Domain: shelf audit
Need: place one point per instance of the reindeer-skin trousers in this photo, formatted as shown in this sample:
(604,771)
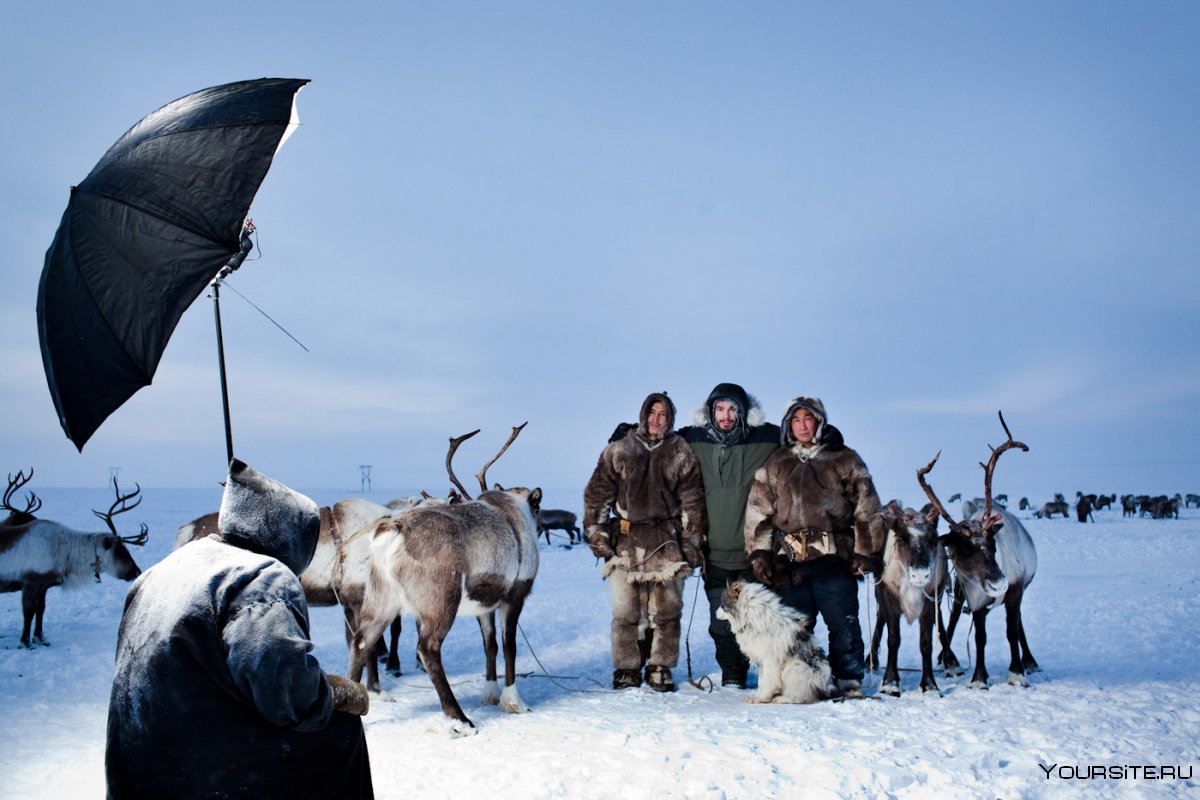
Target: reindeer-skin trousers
(645,609)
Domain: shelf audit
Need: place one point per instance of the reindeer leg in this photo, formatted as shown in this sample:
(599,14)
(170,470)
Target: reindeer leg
(429,646)
(362,650)
(949,662)
(928,683)
(891,675)
(28,609)
(392,667)
(510,700)
(1012,608)
(39,613)
(876,636)
(491,690)
(1027,660)
(979,680)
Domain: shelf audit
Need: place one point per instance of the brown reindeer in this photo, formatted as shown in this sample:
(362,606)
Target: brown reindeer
(36,554)
(549,519)
(459,559)
(994,561)
(911,583)
(337,574)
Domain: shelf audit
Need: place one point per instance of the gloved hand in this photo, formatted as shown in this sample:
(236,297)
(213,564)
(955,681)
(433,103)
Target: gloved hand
(762,564)
(599,544)
(349,696)
(692,555)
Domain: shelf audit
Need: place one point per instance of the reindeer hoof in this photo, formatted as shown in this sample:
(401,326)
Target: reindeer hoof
(460,728)
(890,689)
(933,690)
(511,702)
(491,694)
(978,685)
(1016,679)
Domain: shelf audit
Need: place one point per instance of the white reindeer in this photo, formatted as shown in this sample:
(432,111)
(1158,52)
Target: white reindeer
(36,554)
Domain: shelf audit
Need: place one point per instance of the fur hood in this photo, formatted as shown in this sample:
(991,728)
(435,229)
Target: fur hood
(651,399)
(817,408)
(750,412)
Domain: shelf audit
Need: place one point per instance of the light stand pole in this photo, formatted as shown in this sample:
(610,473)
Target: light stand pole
(234,262)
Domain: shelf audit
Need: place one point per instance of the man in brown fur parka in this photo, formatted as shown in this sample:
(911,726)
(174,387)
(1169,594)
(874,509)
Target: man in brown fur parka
(812,526)
(649,482)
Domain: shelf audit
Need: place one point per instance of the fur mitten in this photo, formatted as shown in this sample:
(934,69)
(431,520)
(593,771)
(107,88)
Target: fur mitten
(349,696)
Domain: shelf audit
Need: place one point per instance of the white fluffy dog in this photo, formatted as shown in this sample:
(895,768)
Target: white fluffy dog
(791,669)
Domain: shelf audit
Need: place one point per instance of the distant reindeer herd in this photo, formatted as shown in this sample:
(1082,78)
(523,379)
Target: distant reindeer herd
(440,558)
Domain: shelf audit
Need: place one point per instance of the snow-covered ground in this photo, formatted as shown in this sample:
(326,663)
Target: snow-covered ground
(1111,617)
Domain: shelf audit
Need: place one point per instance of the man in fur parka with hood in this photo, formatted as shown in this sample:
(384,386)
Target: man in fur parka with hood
(644,515)
(731,438)
(813,525)
(216,691)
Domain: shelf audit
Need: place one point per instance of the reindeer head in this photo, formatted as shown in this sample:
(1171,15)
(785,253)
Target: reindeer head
(971,542)
(112,556)
(913,542)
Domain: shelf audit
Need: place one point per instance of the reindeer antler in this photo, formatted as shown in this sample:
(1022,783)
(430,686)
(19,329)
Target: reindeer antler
(120,506)
(481,476)
(990,468)
(32,501)
(454,443)
(139,539)
(921,473)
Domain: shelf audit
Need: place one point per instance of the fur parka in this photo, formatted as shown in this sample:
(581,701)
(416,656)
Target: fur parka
(655,488)
(823,487)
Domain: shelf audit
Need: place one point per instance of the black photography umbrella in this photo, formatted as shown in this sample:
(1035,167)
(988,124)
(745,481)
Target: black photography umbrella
(153,223)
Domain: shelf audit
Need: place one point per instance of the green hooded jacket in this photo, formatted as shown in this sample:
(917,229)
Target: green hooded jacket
(728,462)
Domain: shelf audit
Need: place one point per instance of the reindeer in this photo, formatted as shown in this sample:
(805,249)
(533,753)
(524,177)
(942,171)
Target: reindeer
(1024,505)
(549,519)
(1083,507)
(1054,507)
(36,554)
(911,583)
(1129,505)
(460,559)
(1192,500)
(994,560)
(337,574)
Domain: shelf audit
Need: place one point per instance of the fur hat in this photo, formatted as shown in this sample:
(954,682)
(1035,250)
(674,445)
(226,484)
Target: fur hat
(814,405)
(262,515)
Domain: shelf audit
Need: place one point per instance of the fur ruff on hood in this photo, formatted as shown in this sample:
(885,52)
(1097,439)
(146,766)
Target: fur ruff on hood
(817,408)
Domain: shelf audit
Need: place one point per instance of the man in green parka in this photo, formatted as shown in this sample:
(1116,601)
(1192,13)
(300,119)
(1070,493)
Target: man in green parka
(731,439)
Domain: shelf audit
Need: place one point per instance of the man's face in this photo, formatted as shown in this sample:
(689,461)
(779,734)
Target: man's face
(656,420)
(804,426)
(725,415)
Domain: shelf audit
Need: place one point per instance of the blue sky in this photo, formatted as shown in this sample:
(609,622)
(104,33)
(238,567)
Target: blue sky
(494,213)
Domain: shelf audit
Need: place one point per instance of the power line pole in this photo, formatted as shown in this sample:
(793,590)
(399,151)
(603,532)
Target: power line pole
(365,475)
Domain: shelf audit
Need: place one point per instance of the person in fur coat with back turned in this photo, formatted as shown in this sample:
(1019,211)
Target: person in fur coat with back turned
(216,691)
(649,482)
(813,526)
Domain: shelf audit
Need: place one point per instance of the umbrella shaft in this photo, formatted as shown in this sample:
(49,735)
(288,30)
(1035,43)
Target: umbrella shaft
(216,296)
